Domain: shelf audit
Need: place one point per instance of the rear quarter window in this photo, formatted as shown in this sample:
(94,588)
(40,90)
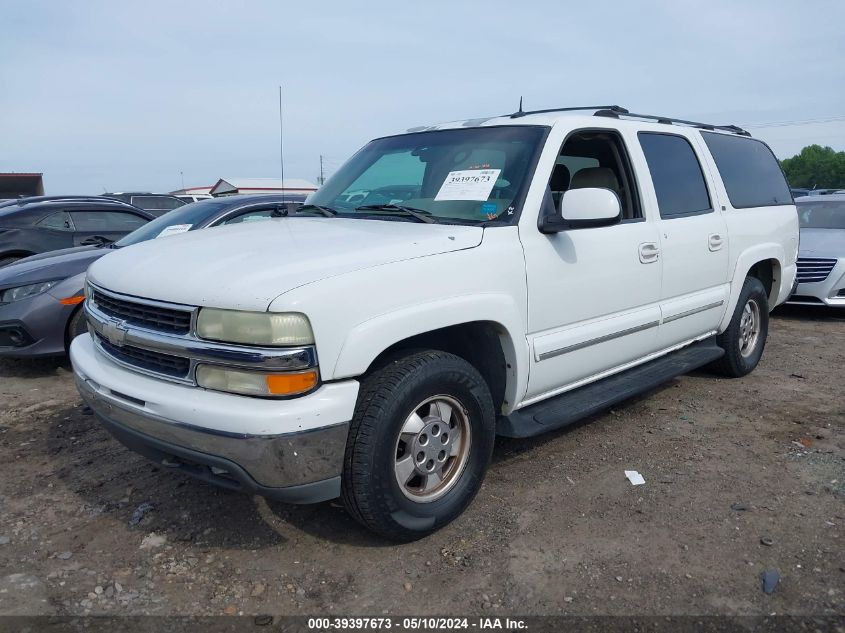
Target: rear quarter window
(749,169)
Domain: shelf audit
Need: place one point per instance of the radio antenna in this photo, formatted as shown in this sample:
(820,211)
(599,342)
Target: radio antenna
(281,146)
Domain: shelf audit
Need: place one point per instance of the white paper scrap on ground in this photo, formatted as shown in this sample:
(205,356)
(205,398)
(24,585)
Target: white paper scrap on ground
(468,184)
(634,477)
(173,229)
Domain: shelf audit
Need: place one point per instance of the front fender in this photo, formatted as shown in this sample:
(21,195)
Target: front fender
(368,339)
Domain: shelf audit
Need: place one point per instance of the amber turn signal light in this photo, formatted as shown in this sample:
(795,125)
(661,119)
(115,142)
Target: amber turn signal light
(289,384)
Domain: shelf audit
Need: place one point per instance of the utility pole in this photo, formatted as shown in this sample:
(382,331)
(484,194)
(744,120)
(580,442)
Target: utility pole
(322,177)
(281,146)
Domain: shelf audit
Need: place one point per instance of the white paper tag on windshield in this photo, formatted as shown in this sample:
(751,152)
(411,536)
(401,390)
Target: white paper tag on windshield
(174,229)
(468,184)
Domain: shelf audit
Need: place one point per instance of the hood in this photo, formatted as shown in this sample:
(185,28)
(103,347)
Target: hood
(246,266)
(47,266)
(822,243)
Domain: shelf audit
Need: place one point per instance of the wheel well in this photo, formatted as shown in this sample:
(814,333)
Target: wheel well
(477,343)
(69,325)
(768,272)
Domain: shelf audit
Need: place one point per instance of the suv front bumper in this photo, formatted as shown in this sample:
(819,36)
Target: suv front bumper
(291,450)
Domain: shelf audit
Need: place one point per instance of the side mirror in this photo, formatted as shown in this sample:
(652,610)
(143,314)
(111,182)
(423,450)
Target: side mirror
(582,209)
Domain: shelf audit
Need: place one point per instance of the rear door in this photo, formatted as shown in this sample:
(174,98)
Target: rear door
(693,238)
(109,224)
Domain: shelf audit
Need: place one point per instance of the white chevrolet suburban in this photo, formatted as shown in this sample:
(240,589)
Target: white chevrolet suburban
(492,276)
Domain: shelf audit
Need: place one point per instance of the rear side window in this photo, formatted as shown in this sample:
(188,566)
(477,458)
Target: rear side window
(59,221)
(106,221)
(749,170)
(157,203)
(676,174)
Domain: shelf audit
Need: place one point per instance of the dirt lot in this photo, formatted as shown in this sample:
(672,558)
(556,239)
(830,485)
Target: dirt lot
(556,528)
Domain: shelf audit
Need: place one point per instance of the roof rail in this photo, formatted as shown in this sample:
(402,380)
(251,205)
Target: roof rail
(614,113)
(607,108)
(38,199)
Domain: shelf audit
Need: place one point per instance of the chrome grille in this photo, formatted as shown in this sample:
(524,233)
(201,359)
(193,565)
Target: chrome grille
(148,360)
(814,269)
(144,315)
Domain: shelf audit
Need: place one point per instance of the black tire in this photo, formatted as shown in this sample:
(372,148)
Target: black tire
(75,326)
(734,363)
(5,261)
(370,489)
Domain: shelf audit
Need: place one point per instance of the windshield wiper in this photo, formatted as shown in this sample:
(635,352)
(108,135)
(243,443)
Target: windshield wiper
(324,211)
(397,209)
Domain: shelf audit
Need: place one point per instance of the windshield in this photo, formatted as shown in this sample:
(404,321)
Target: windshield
(467,175)
(186,218)
(822,214)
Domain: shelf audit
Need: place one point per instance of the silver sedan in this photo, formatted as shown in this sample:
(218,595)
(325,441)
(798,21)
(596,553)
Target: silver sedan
(821,256)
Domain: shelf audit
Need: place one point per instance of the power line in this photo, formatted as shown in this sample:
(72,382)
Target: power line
(830,119)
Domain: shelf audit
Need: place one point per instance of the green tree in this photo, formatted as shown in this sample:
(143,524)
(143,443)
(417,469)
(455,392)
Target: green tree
(816,167)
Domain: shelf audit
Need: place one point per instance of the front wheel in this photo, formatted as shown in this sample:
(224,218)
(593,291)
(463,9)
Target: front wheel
(76,326)
(745,337)
(419,444)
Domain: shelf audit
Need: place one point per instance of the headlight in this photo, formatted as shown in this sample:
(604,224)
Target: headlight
(22,292)
(254,328)
(256,383)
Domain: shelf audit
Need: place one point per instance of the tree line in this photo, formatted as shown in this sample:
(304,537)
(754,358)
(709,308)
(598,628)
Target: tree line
(816,167)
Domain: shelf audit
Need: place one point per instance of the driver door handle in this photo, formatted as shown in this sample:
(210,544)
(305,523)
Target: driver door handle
(649,252)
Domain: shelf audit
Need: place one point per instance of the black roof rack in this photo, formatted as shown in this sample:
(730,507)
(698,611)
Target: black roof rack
(614,113)
(609,108)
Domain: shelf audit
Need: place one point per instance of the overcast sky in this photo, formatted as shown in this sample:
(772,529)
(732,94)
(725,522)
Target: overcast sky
(126,95)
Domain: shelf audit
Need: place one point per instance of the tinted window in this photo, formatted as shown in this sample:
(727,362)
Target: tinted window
(59,221)
(749,170)
(106,221)
(822,214)
(157,203)
(676,174)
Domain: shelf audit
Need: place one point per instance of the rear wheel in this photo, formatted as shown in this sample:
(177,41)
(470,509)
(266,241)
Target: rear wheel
(745,337)
(419,444)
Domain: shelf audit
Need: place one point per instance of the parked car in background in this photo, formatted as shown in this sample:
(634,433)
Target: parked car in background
(37,225)
(821,192)
(821,258)
(156,203)
(188,198)
(799,192)
(40,296)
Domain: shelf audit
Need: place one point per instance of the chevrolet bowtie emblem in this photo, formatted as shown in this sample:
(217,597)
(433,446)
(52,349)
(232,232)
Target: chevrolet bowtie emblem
(115,331)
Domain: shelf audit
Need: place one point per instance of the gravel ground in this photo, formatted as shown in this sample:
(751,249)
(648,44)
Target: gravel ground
(742,476)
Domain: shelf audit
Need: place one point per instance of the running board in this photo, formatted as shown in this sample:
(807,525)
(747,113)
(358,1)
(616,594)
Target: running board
(560,411)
